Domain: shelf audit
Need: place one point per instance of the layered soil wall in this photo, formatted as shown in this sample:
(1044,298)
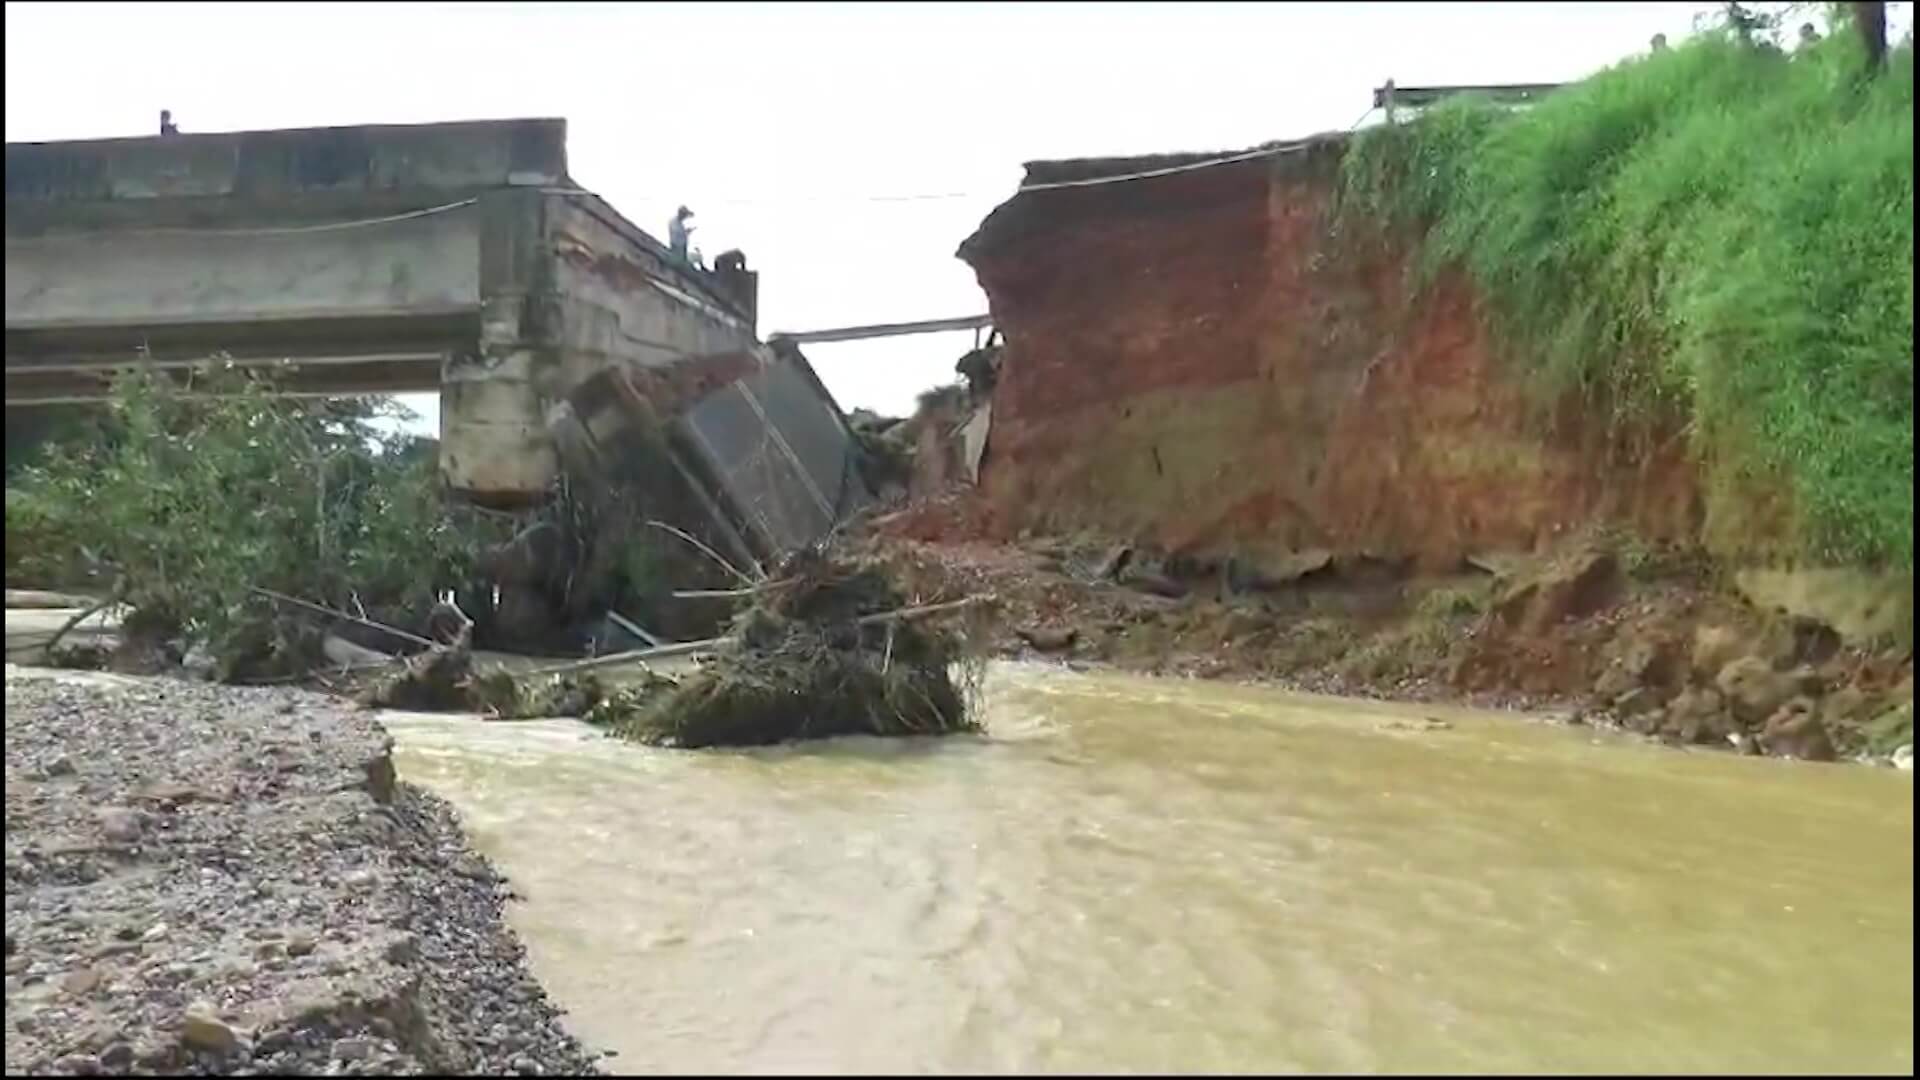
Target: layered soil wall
(1213,362)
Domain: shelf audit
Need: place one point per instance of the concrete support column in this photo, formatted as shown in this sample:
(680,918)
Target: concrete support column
(493,403)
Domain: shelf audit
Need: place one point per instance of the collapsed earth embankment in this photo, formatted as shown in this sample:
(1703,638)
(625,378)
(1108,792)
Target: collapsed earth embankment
(1208,362)
(1674,299)
(1609,401)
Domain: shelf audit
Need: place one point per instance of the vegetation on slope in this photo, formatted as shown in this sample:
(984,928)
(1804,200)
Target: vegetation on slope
(1721,233)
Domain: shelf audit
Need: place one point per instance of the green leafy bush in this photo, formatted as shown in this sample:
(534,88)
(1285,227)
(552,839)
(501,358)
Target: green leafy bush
(1720,234)
(188,502)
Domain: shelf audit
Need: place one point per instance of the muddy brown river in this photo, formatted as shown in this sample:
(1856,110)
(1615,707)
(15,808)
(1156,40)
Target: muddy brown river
(1138,875)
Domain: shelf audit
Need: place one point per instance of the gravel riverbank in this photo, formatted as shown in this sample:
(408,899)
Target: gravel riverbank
(223,880)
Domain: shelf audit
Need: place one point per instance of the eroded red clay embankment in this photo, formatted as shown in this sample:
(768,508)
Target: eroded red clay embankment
(1204,362)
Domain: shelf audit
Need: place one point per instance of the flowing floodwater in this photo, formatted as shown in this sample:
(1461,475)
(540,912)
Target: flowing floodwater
(1135,875)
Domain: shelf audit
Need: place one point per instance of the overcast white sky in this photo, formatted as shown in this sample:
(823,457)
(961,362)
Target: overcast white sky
(792,129)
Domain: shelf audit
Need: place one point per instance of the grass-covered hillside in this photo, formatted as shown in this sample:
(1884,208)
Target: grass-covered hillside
(1722,231)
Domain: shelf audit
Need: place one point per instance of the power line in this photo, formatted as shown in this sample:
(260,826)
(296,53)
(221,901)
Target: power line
(1230,159)
(802,201)
(328,226)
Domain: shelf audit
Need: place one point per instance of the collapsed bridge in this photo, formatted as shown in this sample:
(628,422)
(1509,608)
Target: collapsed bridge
(459,258)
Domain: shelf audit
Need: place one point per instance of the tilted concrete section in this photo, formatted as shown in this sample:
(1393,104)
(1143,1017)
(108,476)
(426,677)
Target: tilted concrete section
(366,259)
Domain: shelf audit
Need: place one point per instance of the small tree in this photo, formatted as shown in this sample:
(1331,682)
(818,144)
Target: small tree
(190,501)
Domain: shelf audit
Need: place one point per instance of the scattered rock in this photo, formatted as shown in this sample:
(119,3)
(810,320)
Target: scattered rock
(1697,717)
(1148,581)
(97,1036)
(60,766)
(1807,681)
(352,1049)
(173,794)
(1614,683)
(1571,587)
(1845,706)
(117,1057)
(1266,574)
(80,981)
(1652,661)
(119,825)
(1714,647)
(1795,731)
(403,950)
(1902,758)
(1800,639)
(1705,729)
(300,943)
(202,1029)
(1753,689)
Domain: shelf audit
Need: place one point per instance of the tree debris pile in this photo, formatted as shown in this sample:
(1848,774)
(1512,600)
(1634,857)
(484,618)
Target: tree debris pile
(828,651)
(440,678)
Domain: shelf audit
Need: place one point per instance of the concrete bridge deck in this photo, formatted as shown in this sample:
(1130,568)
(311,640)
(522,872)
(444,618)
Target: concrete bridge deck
(459,257)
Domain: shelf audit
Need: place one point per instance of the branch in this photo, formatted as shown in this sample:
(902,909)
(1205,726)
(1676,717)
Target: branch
(396,632)
(716,594)
(47,650)
(712,644)
(113,598)
(633,655)
(709,552)
(633,628)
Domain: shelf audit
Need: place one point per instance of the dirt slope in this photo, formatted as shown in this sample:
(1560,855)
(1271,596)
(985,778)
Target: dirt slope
(1207,362)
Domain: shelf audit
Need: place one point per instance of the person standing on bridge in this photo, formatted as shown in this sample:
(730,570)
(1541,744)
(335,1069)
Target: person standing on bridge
(679,233)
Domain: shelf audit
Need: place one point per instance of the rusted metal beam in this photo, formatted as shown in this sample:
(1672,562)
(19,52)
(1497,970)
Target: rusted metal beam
(879,330)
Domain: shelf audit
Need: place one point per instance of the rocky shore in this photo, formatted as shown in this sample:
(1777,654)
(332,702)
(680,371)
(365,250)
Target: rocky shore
(209,879)
(1575,634)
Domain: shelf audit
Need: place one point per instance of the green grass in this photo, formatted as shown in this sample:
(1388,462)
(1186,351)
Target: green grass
(1719,235)
(1451,601)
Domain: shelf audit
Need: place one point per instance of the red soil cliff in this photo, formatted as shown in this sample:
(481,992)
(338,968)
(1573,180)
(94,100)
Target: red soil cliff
(1204,360)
